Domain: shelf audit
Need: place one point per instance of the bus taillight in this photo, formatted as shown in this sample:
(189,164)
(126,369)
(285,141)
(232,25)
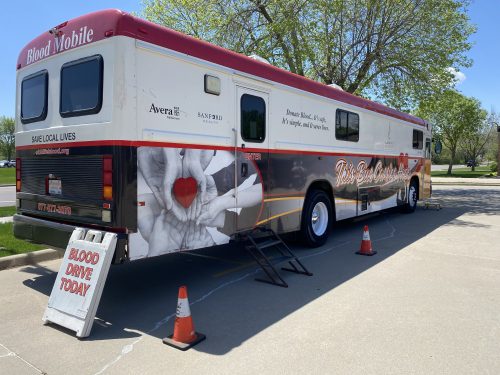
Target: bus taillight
(107,178)
(18,174)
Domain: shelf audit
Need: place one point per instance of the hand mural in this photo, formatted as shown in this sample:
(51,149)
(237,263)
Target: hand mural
(177,215)
(194,164)
(173,170)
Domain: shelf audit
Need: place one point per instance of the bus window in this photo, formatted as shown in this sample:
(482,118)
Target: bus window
(34,89)
(353,127)
(81,87)
(418,139)
(427,148)
(253,118)
(346,126)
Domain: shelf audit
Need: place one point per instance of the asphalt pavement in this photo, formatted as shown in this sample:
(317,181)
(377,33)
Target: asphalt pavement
(7,196)
(427,303)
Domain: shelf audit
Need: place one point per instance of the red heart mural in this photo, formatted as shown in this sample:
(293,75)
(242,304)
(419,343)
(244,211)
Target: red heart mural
(185,190)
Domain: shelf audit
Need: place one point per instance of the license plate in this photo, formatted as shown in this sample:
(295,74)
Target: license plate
(55,187)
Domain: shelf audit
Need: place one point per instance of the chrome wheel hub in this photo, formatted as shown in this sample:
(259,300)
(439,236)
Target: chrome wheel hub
(319,219)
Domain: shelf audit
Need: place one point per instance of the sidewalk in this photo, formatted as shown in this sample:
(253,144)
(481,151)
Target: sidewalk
(491,181)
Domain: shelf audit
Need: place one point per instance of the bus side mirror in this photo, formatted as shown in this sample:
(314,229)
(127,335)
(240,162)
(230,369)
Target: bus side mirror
(438,147)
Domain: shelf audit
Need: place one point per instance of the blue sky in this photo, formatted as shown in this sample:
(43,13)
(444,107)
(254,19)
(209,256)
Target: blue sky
(23,21)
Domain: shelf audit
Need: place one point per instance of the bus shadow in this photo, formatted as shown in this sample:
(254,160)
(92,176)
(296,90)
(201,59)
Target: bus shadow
(228,305)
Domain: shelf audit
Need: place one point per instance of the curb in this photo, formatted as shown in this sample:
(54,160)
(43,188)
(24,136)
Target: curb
(30,258)
(465,183)
(6,185)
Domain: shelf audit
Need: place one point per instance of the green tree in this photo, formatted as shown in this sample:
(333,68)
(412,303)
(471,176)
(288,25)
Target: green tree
(475,142)
(7,138)
(454,117)
(397,51)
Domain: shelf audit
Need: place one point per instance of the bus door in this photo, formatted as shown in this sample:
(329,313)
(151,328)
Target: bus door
(251,156)
(427,170)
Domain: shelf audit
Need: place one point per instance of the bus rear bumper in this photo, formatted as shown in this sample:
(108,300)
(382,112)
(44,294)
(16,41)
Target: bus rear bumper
(57,235)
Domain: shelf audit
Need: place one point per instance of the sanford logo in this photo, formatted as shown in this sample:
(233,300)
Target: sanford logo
(61,43)
(209,116)
(172,113)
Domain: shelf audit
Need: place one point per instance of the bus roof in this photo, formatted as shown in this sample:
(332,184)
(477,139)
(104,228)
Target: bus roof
(103,24)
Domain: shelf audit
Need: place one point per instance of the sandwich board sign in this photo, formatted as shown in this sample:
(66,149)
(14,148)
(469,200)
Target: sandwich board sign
(79,283)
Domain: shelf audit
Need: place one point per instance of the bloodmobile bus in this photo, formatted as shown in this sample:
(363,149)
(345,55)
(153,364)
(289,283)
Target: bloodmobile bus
(176,144)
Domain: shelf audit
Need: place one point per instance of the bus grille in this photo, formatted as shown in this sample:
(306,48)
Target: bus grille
(81,177)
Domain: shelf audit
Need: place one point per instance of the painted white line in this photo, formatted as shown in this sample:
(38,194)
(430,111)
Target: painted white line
(324,251)
(130,347)
(391,235)
(13,354)
(210,257)
(7,201)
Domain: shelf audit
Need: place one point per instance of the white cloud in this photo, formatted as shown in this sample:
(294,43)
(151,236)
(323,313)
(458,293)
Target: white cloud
(459,76)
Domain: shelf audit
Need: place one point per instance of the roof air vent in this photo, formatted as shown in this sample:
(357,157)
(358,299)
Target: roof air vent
(335,86)
(258,58)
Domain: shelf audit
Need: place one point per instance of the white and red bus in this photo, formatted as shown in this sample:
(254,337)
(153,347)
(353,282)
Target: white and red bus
(176,144)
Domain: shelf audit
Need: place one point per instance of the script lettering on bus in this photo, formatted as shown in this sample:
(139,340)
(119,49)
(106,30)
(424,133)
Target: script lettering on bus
(62,42)
(305,120)
(347,173)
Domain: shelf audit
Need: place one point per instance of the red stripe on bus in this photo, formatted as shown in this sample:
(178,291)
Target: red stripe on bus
(202,147)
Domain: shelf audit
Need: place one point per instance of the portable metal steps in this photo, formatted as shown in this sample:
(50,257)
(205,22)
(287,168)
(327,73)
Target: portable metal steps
(262,240)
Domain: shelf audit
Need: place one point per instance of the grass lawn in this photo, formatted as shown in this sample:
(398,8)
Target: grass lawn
(10,245)
(465,173)
(7,176)
(7,211)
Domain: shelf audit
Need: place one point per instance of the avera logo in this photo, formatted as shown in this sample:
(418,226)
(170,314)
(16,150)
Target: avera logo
(171,113)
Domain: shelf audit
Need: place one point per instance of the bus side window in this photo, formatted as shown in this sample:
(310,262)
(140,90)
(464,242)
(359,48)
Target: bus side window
(346,126)
(253,118)
(427,148)
(418,139)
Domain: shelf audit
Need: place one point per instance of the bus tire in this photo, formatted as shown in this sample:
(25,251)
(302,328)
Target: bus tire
(412,198)
(316,218)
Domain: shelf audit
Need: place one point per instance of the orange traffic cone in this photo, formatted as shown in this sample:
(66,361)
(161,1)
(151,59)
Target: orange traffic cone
(184,335)
(366,244)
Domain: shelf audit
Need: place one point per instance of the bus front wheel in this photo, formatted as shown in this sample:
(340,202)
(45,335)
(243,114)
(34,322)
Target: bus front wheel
(316,218)
(412,197)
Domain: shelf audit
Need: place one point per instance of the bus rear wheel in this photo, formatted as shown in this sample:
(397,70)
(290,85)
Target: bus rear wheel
(316,218)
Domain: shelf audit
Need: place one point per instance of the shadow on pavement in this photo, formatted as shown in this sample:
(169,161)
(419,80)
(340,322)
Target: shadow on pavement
(227,304)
